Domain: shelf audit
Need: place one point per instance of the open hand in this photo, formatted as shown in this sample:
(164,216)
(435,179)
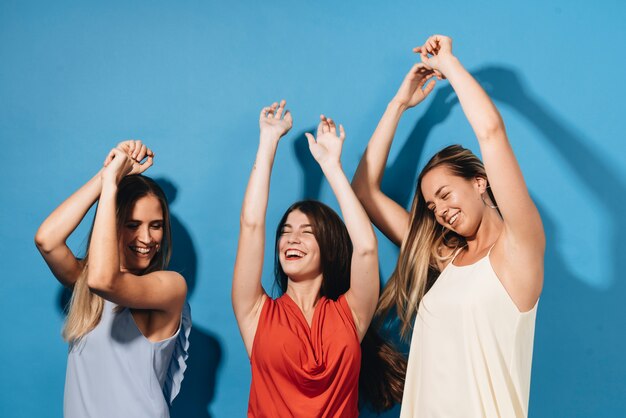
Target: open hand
(326,148)
(434,53)
(274,121)
(414,88)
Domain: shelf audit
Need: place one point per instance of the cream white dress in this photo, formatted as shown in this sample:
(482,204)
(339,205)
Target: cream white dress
(471,349)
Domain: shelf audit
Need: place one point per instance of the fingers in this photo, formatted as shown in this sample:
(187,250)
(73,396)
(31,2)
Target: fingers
(342,132)
(264,112)
(429,87)
(322,128)
(310,138)
(288,118)
(272,110)
(331,126)
(109,158)
(146,164)
(141,153)
(281,108)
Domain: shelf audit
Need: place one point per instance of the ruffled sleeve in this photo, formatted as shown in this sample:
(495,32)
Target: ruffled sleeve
(178,364)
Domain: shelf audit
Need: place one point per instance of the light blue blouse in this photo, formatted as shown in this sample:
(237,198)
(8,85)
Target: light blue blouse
(114,371)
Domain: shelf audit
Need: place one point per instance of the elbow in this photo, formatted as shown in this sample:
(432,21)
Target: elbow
(43,242)
(493,128)
(366,249)
(250,223)
(100,282)
(362,189)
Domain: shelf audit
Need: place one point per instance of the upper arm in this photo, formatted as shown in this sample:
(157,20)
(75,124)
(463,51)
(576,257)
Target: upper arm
(519,254)
(362,297)
(63,264)
(159,290)
(388,216)
(520,215)
(247,292)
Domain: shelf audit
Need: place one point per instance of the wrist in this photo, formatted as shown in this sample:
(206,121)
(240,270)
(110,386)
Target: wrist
(109,191)
(331,167)
(397,106)
(448,63)
(269,137)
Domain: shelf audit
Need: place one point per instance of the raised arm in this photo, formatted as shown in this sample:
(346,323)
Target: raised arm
(362,296)
(247,292)
(390,217)
(106,273)
(522,243)
(52,234)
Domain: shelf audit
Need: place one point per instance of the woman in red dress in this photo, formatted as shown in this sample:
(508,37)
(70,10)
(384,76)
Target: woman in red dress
(304,346)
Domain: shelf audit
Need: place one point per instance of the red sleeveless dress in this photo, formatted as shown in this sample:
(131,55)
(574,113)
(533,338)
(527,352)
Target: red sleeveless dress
(302,372)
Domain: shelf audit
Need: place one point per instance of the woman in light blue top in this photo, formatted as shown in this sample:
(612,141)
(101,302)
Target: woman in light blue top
(128,323)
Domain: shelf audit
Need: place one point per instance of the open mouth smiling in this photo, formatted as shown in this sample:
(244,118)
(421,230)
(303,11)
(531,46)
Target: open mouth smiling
(453,218)
(141,250)
(293,254)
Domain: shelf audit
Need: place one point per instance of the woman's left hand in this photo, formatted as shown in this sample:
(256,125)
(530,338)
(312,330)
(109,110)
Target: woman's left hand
(436,53)
(326,149)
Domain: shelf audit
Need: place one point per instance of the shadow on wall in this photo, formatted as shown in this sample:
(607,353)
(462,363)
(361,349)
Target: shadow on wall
(312,177)
(577,367)
(205,352)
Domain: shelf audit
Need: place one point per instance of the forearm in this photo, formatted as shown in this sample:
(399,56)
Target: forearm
(254,206)
(60,224)
(371,168)
(356,219)
(479,109)
(104,259)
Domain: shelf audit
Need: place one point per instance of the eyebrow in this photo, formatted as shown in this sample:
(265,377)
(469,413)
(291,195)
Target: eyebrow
(301,226)
(437,193)
(137,220)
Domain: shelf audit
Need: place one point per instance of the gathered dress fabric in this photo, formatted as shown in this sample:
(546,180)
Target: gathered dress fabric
(471,350)
(301,371)
(115,371)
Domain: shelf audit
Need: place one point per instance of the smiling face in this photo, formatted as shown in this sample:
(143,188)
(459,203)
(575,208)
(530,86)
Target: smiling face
(141,234)
(454,201)
(299,252)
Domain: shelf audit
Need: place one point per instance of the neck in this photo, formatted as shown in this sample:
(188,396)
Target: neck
(488,232)
(305,293)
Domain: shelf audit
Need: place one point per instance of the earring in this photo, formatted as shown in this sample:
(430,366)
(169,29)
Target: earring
(482,196)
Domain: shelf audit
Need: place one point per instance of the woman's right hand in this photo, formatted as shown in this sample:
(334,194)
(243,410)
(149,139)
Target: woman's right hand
(119,163)
(274,121)
(136,151)
(413,89)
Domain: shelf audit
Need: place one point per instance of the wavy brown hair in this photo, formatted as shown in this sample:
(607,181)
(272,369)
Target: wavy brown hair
(427,244)
(85,308)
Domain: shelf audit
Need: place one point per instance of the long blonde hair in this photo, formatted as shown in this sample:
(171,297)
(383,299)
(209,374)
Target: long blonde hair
(86,307)
(424,247)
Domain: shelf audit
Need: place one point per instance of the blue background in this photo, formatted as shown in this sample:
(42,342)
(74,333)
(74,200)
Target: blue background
(189,78)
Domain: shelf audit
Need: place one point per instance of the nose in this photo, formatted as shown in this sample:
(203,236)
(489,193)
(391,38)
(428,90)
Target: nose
(293,238)
(442,211)
(144,235)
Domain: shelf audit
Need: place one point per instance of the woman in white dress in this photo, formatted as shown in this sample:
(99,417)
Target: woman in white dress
(470,269)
